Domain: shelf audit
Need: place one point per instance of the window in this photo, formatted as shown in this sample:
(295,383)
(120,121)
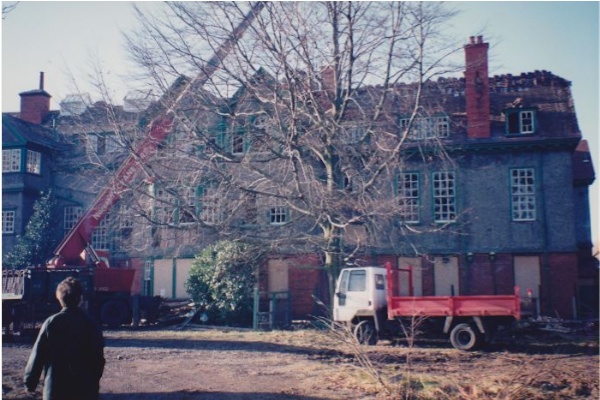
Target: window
(104,144)
(125,225)
(427,127)
(34,162)
(355,133)
(408,197)
(444,197)
(357,281)
(112,144)
(522,190)
(210,210)
(237,143)
(71,216)
(164,207)
(100,236)
(11,160)
(278,215)
(8,221)
(187,210)
(379,282)
(148,269)
(520,122)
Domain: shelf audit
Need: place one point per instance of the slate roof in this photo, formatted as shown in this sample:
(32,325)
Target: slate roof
(17,132)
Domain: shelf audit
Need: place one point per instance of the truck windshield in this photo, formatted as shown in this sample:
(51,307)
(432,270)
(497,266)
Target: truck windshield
(357,281)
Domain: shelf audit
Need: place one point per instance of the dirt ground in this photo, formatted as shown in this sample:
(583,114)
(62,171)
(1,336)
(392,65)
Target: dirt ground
(201,363)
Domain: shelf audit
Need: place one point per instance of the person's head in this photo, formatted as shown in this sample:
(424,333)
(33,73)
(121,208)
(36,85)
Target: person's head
(69,292)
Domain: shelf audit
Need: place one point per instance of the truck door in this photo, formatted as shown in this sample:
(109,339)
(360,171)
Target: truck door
(351,294)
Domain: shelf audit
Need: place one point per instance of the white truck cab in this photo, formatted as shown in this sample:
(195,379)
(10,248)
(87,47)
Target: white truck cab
(360,299)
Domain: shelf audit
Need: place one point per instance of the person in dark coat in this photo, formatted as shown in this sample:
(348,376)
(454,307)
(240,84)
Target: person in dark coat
(69,349)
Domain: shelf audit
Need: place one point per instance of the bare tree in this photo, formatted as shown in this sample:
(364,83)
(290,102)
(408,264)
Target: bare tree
(7,7)
(306,124)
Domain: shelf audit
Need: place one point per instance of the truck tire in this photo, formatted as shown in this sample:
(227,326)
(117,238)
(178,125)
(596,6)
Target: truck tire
(465,337)
(365,333)
(114,313)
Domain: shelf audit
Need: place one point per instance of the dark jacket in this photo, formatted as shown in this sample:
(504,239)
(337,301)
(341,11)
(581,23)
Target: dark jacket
(70,351)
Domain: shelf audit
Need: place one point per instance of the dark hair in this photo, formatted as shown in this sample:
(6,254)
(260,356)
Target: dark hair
(69,292)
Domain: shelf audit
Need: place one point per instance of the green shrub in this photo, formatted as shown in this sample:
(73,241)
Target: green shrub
(222,280)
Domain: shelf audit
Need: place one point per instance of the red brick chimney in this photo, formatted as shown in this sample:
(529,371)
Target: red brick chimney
(35,104)
(477,89)
(328,78)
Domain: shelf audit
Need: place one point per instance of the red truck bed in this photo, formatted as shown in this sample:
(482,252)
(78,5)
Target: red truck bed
(443,306)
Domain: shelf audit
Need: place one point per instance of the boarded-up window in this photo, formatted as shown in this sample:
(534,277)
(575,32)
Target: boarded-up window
(417,275)
(527,275)
(278,276)
(446,276)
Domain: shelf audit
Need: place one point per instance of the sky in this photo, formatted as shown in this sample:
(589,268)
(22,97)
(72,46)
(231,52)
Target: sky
(66,39)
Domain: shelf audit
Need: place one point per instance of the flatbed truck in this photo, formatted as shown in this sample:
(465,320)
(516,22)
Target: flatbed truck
(370,300)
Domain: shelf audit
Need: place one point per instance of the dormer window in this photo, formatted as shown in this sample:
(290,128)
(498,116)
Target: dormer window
(520,121)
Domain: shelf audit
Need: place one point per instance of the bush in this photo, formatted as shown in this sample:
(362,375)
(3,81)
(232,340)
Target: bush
(36,245)
(222,280)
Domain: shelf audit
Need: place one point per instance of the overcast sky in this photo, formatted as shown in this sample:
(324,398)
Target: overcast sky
(64,39)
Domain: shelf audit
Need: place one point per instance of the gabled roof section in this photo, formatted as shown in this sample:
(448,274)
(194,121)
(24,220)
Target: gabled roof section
(17,132)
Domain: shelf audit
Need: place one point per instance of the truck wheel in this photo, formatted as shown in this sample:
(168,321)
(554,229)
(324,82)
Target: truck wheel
(114,313)
(365,333)
(465,337)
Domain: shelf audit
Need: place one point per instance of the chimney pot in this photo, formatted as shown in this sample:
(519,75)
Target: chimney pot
(472,39)
(41,81)
(479,39)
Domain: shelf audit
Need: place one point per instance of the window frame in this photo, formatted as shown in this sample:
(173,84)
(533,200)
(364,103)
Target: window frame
(74,214)
(278,215)
(428,127)
(101,236)
(523,198)
(12,160)
(413,214)
(208,204)
(8,222)
(33,164)
(520,118)
(444,204)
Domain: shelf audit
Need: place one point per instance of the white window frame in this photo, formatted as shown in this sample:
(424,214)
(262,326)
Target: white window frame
(190,201)
(525,120)
(101,235)
(11,160)
(444,196)
(210,212)
(164,208)
(409,197)
(522,194)
(71,215)
(278,215)
(8,221)
(427,127)
(34,162)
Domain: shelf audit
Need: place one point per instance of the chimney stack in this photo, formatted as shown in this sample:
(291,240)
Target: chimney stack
(35,104)
(328,78)
(477,88)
